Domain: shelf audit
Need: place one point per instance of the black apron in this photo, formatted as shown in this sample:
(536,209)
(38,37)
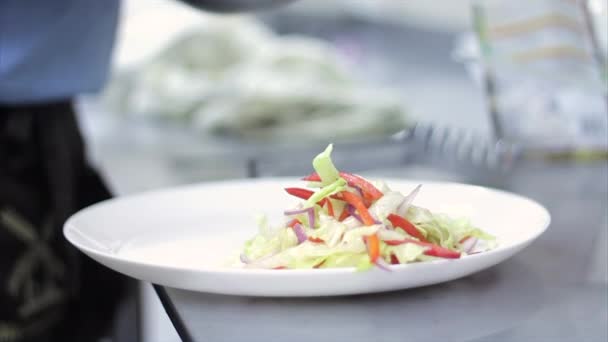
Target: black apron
(49,291)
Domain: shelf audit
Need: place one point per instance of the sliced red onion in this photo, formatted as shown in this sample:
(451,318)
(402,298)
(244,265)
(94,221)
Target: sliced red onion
(310,211)
(407,201)
(383,265)
(244,258)
(469,244)
(353,213)
(296,211)
(311,217)
(300,233)
(358,190)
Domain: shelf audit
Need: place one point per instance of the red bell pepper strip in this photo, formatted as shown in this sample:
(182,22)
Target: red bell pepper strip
(406,225)
(304,194)
(373,247)
(344,214)
(330,208)
(394,260)
(357,202)
(315,239)
(433,250)
(300,193)
(370,192)
(366,198)
(313,177)
(441,252)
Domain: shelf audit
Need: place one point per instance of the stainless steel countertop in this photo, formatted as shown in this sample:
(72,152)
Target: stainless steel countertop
(555,290)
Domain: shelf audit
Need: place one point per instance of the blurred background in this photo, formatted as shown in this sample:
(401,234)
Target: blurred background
(196,97)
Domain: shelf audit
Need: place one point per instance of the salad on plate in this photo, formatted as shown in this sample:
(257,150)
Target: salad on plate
(345,220)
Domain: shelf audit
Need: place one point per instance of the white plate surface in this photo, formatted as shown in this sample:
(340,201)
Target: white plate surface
(183,237)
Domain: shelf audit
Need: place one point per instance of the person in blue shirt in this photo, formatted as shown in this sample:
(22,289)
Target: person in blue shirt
(51,51)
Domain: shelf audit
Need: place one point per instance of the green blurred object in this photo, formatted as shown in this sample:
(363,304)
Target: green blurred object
(234,78)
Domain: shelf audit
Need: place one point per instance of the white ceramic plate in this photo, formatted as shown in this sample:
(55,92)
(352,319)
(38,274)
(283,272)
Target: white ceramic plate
(183,237)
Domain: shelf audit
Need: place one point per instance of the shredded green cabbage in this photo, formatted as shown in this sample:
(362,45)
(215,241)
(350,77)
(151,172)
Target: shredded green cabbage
(444,230)
(331,243)
(334,187)
(325,166)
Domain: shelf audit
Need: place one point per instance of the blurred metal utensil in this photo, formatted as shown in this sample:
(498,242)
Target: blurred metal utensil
(459,146)
(421,144)
(228,6)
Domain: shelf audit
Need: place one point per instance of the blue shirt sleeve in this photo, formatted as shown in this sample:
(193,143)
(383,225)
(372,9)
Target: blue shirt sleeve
(51,50)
